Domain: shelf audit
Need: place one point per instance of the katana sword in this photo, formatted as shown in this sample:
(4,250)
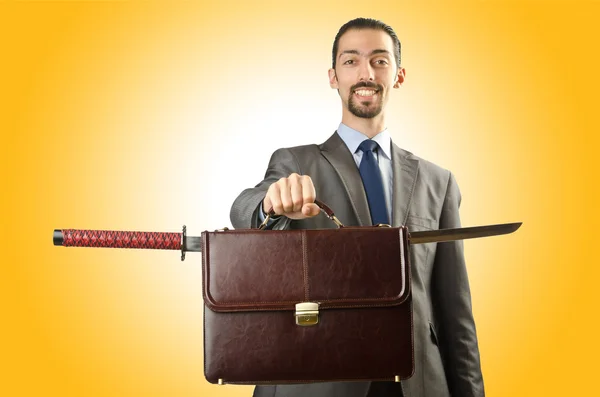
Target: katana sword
(184,243)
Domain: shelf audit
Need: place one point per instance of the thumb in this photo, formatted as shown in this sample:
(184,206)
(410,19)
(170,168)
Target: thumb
(310,209)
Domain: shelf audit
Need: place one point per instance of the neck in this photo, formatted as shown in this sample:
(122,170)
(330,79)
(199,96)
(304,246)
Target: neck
(368,127)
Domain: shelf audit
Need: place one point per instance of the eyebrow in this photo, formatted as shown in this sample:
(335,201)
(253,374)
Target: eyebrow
(356,52)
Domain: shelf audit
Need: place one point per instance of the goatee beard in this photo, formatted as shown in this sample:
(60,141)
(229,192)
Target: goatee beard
(366,111)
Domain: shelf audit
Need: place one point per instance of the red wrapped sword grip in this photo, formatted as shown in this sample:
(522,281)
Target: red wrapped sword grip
(117,239)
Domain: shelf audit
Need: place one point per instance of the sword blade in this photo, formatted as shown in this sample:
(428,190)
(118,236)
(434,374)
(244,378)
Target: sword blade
(193,244)
(438,236)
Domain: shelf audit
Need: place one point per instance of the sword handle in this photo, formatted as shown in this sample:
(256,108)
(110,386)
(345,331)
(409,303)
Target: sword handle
(117,239)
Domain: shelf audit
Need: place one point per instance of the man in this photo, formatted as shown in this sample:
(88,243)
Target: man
(366,179)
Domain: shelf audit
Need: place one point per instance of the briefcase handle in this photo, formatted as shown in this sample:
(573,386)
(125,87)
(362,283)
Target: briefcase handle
(324,207)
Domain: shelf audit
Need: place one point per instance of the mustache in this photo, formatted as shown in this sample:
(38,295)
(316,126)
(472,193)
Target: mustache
(366,84)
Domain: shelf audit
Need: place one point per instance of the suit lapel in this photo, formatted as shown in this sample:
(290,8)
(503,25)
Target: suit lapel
(405,171)
(338,155)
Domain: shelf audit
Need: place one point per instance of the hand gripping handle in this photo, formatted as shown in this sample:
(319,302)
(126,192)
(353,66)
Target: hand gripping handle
(328,211)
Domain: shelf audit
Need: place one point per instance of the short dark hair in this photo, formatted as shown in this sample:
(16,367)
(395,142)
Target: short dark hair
(366,23)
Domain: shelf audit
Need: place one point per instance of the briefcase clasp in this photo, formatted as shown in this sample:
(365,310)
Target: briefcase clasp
(307,313)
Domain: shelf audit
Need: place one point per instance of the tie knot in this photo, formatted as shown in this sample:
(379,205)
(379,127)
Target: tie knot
(368,145)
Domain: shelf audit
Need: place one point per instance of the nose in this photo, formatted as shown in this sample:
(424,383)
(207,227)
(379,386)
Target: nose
(366,72)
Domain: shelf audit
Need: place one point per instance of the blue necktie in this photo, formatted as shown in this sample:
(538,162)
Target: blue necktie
(371,178)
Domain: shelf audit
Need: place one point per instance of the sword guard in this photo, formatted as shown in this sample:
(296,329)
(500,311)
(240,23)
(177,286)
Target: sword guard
(183,249)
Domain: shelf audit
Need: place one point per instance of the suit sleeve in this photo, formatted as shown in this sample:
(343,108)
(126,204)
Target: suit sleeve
(244,211)
(452,305)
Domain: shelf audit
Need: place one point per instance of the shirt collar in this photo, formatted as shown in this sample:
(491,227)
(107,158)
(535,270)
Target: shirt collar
(353,139)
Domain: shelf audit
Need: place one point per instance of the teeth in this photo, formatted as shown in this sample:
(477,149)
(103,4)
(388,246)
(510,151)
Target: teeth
(365,92)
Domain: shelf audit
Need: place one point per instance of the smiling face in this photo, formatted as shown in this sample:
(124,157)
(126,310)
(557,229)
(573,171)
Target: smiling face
(365,72)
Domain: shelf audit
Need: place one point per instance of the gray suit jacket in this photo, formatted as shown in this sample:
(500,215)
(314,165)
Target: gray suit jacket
(425,197)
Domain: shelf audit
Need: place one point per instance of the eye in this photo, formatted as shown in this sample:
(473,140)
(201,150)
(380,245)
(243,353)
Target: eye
(381,62)
(349,62)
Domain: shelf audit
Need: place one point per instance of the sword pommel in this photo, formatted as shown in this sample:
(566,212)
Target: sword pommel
(58,237)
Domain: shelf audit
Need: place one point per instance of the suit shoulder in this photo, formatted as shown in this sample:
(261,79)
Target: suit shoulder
(304,149)
(314,149)
(300,153)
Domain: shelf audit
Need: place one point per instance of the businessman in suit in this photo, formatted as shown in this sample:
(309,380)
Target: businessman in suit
(366,179)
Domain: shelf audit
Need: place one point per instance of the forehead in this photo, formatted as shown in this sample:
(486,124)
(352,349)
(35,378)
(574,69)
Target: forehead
(365,41)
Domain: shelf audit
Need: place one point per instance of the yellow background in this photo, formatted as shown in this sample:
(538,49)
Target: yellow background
(148,116)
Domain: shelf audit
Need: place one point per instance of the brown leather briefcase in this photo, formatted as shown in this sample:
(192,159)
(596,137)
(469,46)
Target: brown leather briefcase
(299,306)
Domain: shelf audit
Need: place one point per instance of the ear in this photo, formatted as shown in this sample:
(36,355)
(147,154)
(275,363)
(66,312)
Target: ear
(400,77)
(333,83)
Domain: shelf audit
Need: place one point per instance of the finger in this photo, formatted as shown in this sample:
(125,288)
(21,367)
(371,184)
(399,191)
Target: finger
(275,198)
(296,194)
(285,195)
(267,205)
(308,190)
(310,210)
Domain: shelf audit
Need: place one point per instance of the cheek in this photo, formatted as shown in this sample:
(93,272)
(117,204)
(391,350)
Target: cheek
(343,89)
(346,85)
(344,81)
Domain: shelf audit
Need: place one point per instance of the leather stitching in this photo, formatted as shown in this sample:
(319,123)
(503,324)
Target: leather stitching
(305,266)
